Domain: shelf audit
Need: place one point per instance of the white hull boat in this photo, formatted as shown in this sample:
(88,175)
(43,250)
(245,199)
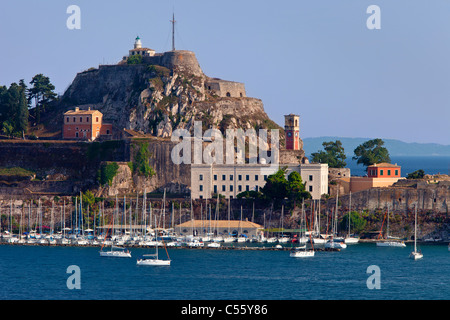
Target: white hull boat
(119,253)
(153,262)
(416,255)
(351,240)
(115,254)
(301,253)
(319,241)
(330,244)
(398,244)
(229,239)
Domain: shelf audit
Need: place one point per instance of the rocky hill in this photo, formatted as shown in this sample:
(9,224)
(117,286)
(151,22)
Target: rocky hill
(164,93)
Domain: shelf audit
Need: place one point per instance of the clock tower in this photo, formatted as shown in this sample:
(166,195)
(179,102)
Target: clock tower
(292,130)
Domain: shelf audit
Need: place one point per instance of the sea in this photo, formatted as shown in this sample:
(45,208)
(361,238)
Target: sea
(430,164)
(362,271)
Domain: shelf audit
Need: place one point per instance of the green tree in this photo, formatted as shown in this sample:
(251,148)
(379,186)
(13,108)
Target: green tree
(357,222)
(88,199)
(296,188)
(278,188)
(249,194)
(14,109)
(371,152)
(42,92)
(7,128)
(418,174)
(21,114)
(107,173)
(333,154)
(276,185)
(141,161)
(136,59)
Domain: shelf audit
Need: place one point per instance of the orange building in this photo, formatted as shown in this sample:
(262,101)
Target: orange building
(84,125)
(384,170)
(379,175)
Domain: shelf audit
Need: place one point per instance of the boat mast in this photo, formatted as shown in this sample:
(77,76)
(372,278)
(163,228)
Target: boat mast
(415,230)
(349,212)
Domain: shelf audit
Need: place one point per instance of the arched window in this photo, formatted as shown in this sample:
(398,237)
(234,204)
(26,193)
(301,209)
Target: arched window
(228,94)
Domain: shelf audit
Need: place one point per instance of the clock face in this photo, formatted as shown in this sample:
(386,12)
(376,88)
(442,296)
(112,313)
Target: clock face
(289,134)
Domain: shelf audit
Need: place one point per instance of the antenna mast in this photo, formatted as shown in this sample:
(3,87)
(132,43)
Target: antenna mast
(173,31)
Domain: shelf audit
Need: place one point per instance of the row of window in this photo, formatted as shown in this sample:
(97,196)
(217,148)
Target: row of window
(247,177)
(81,119)
(224,177)
(240,189)
(374,172)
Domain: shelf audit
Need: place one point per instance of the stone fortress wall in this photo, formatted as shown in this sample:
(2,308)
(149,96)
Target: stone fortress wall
(186,61)
(223,88)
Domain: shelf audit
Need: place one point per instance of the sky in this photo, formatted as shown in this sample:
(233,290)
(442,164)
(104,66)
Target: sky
(314,58)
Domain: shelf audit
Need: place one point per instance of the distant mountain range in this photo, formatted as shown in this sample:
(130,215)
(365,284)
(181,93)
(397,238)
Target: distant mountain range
(396,147)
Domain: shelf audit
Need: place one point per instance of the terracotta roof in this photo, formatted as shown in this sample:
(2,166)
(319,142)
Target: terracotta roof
(142,49)
(81,112)
(384,165)
(232,224)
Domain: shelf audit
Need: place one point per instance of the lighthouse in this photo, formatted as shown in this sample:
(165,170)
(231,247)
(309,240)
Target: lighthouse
(137,43)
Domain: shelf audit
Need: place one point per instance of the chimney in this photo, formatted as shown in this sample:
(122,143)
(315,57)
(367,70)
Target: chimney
(77,109)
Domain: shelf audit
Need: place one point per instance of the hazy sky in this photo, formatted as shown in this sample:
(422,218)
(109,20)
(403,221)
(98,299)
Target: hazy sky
(316,58)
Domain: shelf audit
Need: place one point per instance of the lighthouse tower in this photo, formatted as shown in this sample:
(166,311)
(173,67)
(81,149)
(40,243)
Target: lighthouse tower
(292,130)
(137,43)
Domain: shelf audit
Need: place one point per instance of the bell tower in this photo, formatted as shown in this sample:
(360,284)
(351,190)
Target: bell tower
(292,130)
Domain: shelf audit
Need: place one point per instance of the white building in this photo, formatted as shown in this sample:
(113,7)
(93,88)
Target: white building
(138,50)
(231,179)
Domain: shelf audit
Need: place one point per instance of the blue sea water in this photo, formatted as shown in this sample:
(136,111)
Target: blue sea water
(39,272)
(431,165)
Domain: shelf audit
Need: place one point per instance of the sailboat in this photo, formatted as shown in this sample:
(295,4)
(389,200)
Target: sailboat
(317,237)
(349,239)
(392,242)
(153,259)
(416,255)
(333,242)
(229,238)
(116,251)
(302,252)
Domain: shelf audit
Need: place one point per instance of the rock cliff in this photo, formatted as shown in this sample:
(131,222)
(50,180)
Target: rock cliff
(162,94)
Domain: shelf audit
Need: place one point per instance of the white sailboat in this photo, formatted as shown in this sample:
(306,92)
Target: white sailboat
(317,237)
(391,242)
(349,239)
(115,251)
(416,255)
(302,252)
(153,259)
(334,242)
